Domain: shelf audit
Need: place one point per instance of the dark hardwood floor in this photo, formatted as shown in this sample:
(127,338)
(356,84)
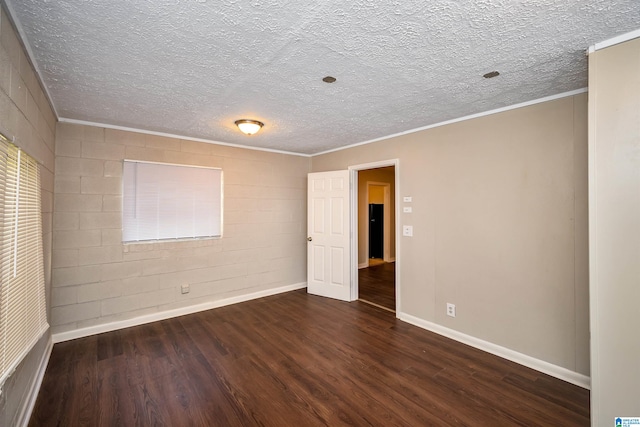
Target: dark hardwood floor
(377,285)
(294,360)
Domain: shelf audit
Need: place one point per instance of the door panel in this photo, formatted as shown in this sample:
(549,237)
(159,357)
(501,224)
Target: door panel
(337,266)
(328,230)
(318,215)
(318,261)
(337,220)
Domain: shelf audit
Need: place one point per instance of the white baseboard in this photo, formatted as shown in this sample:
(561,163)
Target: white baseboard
(514,356)
(141,320)
(34,390)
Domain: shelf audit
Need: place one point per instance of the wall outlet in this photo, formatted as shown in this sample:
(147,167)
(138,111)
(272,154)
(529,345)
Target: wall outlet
(185,288)
(407,230)
(451,310)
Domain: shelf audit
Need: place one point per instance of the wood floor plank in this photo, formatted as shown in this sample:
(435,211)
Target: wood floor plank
(115,396)
(377,284)
(109,345)
(294,359)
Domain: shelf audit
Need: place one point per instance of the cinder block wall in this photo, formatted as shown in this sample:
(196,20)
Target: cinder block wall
(98,280)
(25,114)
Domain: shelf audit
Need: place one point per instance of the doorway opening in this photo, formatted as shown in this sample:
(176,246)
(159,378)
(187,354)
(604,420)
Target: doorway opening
(379,207)
(375,214)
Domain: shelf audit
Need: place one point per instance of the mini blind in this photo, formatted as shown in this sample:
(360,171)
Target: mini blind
(165,201)
(23,317)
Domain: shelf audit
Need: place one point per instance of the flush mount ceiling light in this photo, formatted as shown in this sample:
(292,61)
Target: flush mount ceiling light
(249,127)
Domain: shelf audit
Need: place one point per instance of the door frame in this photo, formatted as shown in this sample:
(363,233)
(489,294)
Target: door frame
(353,246)
(386,252)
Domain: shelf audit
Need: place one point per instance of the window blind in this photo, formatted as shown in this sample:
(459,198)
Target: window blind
(23,317)
(165,201)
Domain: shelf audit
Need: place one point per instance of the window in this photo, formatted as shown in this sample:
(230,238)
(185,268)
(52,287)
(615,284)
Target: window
(164,201)
(23,316)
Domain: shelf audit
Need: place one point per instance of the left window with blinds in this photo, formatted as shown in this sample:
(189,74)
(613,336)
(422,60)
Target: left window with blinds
(23,314)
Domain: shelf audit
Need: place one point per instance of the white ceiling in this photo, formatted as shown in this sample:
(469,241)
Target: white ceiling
(193,67)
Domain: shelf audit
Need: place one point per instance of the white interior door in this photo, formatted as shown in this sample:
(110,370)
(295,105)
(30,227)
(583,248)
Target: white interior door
(328,228)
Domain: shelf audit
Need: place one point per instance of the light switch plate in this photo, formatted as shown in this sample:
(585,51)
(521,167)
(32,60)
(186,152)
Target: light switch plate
(407,209)
(407,199)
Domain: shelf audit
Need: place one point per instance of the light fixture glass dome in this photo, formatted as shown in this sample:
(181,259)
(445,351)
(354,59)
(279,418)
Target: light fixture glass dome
(249,127)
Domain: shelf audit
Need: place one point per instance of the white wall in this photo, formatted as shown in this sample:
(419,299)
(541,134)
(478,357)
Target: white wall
(614,176)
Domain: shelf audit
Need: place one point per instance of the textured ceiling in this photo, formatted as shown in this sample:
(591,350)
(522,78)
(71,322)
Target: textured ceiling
(192,67)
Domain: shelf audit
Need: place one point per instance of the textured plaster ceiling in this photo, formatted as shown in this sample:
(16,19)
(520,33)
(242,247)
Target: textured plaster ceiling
(192,67)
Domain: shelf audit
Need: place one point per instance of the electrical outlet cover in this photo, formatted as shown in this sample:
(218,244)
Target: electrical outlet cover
(451,310)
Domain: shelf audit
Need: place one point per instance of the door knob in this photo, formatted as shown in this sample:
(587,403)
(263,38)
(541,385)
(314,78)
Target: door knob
(309,238)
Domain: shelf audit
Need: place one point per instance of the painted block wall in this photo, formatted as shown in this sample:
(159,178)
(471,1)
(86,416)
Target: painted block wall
(500,227)
(98,280)
(25,114)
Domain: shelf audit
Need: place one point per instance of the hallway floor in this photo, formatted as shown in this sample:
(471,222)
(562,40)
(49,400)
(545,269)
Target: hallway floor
(376,284)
